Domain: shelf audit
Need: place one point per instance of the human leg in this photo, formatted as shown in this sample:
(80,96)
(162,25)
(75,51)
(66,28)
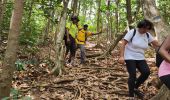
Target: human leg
(144,70)
(82,51)
(72,50)
(131,68)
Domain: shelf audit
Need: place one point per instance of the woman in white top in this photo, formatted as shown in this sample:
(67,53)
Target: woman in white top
(132,50)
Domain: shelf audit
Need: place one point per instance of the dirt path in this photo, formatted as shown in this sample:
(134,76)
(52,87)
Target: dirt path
(103,79)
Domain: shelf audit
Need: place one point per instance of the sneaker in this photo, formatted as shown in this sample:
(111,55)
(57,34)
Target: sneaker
(139,93)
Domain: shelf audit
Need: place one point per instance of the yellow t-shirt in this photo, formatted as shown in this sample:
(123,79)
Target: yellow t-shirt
(81,36)
(73,29)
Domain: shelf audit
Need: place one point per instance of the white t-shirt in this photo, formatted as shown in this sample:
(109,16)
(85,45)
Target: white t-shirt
(134,50)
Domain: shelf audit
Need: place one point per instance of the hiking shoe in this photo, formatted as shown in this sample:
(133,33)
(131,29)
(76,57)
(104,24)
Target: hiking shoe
(139,94)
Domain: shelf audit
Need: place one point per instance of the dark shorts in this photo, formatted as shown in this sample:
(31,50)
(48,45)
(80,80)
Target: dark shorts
(166,80)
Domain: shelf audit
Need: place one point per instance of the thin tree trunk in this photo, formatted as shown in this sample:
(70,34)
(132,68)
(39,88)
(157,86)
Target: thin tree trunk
(2,11)
(79,7)
(138,6)
(59,63)
(74,7)
(8,67)
(108,22)
(128,9)
(98,15)
(117,17)
(151,12)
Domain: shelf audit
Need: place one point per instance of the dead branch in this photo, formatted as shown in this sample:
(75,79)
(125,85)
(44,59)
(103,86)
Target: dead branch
(114,44)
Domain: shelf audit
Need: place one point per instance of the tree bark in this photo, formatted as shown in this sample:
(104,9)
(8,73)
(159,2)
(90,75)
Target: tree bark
(128,9)
(74,7)
(108,22)
(59,63)
(8,67)
(117,16)
(151,12)
(98,15)
(114,44)
(2,11)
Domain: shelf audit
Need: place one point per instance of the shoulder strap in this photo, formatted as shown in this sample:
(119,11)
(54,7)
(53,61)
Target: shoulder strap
(147,34)
(160,45)
(134,32)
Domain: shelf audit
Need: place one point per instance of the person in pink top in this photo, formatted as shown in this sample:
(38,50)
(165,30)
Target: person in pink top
(164,69)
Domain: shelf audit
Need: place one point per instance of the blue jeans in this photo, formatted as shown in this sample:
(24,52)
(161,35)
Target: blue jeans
(82,52)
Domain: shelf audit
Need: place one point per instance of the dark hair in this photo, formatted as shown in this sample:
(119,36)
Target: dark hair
(85,25)
(145,24)
(74,18)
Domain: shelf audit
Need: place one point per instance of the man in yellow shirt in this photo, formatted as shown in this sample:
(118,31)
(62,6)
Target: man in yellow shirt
(81,38)
(72,29)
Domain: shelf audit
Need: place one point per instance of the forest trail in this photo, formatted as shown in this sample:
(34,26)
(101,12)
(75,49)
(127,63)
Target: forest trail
(99,79)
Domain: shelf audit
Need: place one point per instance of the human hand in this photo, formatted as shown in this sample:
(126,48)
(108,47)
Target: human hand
(121,60)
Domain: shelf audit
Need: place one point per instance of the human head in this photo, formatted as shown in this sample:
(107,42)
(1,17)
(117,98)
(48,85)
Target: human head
(144,26)
(85,26)
(74,19)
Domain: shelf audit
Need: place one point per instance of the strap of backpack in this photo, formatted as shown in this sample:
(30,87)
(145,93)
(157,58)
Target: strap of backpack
(134,32)
(160,46)
(147,34)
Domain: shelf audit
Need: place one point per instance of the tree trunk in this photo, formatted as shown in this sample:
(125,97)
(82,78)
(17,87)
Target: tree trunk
(79,5)
(114,44)
(151,12)
(74,7)
(57,70)
(108,22)
(8,67)
(2,11)
(128,9)
(117,16)
(98,15)
(138,6)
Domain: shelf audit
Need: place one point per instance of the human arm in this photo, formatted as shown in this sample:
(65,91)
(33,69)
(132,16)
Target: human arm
(164,49)
(155,44)
(96,33)
(122,49)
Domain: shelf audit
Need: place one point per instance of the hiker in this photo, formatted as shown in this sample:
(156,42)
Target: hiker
(67,39)
(132,50)
(164,69)
(72,29)
(81,38)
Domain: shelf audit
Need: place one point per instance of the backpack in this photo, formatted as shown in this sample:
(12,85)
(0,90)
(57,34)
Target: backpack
(159,58)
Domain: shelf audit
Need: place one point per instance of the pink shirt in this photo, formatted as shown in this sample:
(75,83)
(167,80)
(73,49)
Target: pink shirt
(164,69)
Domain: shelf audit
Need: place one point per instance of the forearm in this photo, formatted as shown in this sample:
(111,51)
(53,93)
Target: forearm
(165,54)
(155,44)
(122,48)
(96,33)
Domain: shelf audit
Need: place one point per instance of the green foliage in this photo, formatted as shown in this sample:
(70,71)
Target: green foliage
(7,15)
(164,6)
(38,12)
(19,65)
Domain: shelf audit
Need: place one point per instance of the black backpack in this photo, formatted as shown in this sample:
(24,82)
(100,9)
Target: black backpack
(159,58)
